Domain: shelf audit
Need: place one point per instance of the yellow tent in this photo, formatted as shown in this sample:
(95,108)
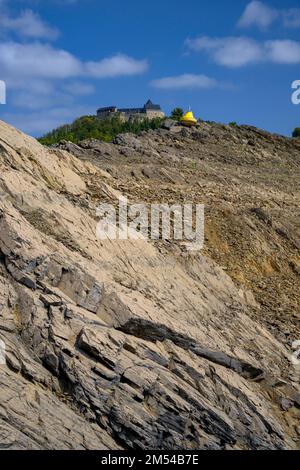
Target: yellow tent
(188,119)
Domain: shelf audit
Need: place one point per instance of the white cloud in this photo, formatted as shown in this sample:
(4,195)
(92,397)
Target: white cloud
(28,25)
(40,86)
(283,52)
(32,99)
(291,18)
(37,123)
(262,15)
(115,66)
(42,95)
(36,60)
(230,51)
(258,14)
(185,81)
(42,61)
(241,51)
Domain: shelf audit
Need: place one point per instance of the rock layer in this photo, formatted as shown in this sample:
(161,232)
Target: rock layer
(126,344)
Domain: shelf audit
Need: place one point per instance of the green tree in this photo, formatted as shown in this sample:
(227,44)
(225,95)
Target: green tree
(90,127)
(296,132)
(177,114)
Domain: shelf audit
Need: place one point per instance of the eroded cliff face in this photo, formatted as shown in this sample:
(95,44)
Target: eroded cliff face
(139,344)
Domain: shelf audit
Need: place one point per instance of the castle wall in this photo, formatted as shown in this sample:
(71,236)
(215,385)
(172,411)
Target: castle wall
(106,112)
(152,114)
(130,114)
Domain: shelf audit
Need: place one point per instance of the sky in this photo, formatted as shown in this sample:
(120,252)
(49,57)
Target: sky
(229,60)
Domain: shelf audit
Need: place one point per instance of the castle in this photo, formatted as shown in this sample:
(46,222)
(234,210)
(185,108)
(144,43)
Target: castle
(149,111)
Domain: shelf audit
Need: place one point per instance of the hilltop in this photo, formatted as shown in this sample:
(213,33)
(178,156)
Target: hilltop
(142,345)
(105,129)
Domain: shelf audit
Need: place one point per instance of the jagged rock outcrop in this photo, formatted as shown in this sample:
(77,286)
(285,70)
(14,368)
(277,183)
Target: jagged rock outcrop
(132,344)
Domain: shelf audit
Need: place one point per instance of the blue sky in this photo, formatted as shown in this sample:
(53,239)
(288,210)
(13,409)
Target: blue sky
(230,60)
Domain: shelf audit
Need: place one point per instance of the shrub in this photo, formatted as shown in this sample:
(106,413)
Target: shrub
(177,114)
(90,127)
(296,133)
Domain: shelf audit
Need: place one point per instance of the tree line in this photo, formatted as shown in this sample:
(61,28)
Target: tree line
(90,127)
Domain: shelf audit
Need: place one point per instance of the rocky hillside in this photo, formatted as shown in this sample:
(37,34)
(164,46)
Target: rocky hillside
(141,345)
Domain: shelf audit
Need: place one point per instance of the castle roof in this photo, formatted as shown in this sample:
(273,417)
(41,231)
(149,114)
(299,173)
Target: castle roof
(150,106)
(108,108)
(131,110)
